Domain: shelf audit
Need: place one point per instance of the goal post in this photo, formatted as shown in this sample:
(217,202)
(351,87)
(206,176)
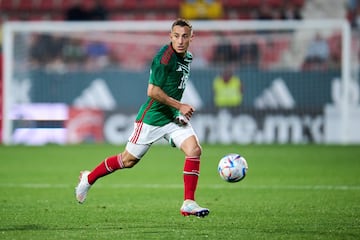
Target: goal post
(54,95)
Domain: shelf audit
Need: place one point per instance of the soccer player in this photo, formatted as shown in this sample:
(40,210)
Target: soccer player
(163,115)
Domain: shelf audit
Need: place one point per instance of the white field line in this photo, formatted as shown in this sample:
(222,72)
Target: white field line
(180,186)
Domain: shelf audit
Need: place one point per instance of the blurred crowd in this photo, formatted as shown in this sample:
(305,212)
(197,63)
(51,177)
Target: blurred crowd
(66,53)
(71,53)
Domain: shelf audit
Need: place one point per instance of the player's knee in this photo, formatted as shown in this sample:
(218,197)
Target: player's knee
(191,147)
(194,150)
(197,151)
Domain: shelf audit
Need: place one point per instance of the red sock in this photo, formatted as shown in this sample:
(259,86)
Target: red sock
(191,175)
(106,167)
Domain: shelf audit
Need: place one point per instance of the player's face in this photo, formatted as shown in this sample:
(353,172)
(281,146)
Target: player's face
(181,38)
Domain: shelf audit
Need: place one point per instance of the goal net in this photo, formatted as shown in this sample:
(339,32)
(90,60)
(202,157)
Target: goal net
(291,81)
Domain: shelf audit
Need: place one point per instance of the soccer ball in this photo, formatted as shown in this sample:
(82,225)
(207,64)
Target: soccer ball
(232,168)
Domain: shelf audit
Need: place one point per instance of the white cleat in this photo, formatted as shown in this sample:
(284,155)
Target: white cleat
(83,187)
(190,207)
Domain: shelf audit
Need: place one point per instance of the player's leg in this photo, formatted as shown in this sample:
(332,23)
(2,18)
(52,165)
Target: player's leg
(192,151)
(138,145)
(111,164)
(87,178)
(187,141)
(126,159)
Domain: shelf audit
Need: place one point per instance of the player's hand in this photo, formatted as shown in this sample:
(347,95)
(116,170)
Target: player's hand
(186,110)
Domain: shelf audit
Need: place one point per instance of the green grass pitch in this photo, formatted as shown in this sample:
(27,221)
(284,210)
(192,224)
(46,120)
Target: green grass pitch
(290,192)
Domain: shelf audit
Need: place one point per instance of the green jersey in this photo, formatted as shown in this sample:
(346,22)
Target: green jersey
(170,72)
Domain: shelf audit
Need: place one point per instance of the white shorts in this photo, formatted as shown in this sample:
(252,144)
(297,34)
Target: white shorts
(144,135)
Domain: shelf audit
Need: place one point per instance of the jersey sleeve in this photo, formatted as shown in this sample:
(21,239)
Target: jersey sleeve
(158,73)
(163,63)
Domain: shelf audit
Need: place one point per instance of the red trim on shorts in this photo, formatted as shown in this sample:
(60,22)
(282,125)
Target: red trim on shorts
(139,123)
(137,131)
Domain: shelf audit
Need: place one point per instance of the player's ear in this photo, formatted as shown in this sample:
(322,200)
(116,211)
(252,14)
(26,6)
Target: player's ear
(191,36)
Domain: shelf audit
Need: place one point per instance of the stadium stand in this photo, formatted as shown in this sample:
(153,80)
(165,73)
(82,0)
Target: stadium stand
(37,10)
(136,9)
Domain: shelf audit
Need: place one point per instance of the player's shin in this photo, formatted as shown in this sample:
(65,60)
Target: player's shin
(191,175)
(106,167)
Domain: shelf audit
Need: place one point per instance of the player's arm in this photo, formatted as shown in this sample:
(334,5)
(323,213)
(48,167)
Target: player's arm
(159,95)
